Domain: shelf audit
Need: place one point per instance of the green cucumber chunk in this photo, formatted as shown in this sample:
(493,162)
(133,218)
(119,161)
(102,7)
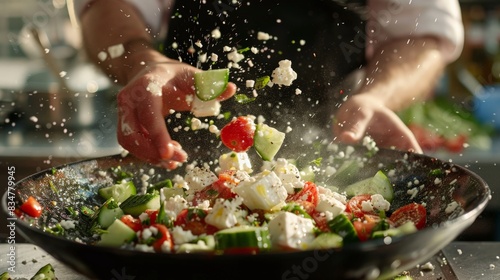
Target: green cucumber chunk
(211,84)
(137,204)
(108,213)
(406,228)
(120,192)
(47,272)
(204,244)
(167,183)
(378,184)
(5,276)
(267,141)
(118,233)
(347,173)
(342,226)
(243,237)
(326,240)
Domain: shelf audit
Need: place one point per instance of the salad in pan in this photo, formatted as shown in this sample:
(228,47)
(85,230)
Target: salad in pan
(230,208)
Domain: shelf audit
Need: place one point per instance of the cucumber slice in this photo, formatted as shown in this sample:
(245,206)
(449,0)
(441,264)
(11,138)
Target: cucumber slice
(342,226)
(211,84)
(119,192)
(378,184)
(307,174)
(47,272)
(5,276)
(243,237)
(347,173)
(137,204)
(267,141)
(404,229)
(326,240)
(117,234)
(108,213)
(167,183)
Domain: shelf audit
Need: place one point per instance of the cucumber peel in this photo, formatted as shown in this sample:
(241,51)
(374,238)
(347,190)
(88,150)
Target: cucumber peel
(137,204)
(117,234)
(243,237)
(119,192)
(378,184)
(211,84)
(47,272)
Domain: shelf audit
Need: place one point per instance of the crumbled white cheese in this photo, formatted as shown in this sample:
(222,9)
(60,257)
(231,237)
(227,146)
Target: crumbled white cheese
(67,224)
(180,235)
(198,178)
(216,34)
(379,203)
(174,205)
(102,55)
(250,83)
(284,74)
(288,174)
(116,50)
(263,36)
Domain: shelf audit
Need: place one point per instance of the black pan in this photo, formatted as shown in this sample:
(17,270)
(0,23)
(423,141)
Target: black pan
(443,183)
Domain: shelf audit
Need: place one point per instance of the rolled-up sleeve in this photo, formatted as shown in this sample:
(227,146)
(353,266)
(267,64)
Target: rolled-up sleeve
(389,19)
(152,11)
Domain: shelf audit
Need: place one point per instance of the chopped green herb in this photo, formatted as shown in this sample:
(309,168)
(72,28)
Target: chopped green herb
(261,82)
(317,161)
(243,99)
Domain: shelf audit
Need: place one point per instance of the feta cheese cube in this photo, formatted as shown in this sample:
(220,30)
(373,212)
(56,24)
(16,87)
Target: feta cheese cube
(235,161)
(208,108)
(288,174)
(264,191)
(223,213)
(292,231)
(330,204)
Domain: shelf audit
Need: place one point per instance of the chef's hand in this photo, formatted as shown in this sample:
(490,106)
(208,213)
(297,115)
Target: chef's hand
(363,114)
(155,92)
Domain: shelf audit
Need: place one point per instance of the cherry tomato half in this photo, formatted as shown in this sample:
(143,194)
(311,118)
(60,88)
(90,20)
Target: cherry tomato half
(238,134)
(32,207)
(355,205)
(413,212)
(162,236)
(194,220)
(364,226)
(134,223)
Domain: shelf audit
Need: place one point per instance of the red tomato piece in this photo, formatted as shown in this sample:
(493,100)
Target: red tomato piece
(320,220)
(355,205)
(152,214)
(456,144)
(364,226)
(194,220)
(162,236)
(133,223)
(238,134)
(32,207)
(413,212)
(308,193)
(218,189)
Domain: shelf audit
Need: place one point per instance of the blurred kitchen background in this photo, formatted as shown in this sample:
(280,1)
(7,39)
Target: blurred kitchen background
(42,124)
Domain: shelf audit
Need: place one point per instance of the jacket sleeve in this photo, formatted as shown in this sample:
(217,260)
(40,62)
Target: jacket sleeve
(389,19)
(152,11)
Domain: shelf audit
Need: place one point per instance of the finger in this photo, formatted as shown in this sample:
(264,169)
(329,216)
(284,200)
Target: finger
(151,118)
(228,92)
(351,129)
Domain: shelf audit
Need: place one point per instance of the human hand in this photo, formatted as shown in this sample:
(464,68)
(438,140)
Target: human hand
(143,103)
(362,115)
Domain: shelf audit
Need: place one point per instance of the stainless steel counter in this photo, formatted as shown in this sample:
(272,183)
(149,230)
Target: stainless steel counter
(459,260)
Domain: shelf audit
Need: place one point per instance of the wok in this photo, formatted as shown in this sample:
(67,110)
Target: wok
(442,183)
